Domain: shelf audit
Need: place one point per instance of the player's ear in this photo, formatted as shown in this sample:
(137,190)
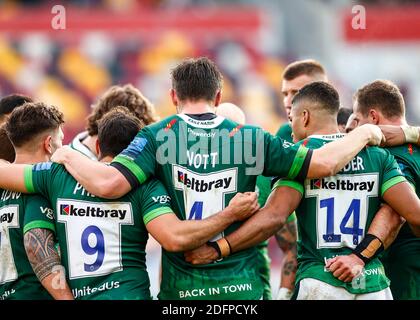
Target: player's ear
(374,116)
(98,150)
(218,98)
(305,117)
(47,144)
(174,97)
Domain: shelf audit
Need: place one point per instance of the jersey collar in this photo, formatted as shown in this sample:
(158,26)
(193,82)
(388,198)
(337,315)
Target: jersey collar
(205,124)
(77,144)
(333,136)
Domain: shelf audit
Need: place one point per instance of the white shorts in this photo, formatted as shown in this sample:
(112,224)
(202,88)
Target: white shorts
(313,289)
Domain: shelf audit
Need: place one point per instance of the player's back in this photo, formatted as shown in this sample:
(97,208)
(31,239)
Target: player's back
(213,161)
(102,242)
(17,279)
(336,212)
(204,160)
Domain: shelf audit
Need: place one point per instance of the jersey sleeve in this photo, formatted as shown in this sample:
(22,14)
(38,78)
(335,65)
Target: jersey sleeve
(284,159)
(392,174)
(155,200)
(291,184)
(38,178)
(138,161)
(38,214)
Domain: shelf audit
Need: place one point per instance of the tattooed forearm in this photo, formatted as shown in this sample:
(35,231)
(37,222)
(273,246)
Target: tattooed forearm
(286,236)
(289,267)
(39,246)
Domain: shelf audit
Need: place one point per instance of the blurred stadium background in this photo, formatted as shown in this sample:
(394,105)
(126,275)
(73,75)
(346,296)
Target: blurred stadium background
(138,41)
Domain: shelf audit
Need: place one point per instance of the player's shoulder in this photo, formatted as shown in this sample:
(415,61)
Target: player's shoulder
(148,189)
(314,142)
(35,199)
(406,151)
(166,123)
(48,166)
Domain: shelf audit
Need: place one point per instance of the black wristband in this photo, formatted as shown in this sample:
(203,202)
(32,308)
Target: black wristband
(214,245)
(230,247)
(369,248)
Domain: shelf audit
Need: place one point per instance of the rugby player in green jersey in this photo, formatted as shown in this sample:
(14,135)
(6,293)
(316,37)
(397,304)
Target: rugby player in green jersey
(382,103)
(103,241)
(296,75)
(26,220)
(204,160)
(328,227)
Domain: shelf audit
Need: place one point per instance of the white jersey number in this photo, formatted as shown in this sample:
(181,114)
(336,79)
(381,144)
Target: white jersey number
(93,232)
(342,208)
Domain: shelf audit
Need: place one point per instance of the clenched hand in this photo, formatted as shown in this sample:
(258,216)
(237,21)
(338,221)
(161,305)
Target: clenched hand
(244,205)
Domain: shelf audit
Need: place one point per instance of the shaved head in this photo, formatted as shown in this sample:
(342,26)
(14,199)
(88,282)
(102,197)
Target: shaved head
(231,111)
(314,109)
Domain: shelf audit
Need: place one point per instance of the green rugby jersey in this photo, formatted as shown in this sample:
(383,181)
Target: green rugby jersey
(20,213)
(102,242)
(285,132)
(204,160)
(401,260)
(336,212)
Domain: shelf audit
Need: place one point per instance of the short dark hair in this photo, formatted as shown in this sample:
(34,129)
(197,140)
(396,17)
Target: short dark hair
(320,94)
(303,67)
(127,96)
(343,115)
(116,130)
(382,95)
(196,79)
(7,152)
(12,101)
(30,120)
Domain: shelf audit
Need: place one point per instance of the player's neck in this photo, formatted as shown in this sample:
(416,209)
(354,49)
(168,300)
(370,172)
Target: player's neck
(393,122)
(196,108)
(25,157)
(90,143)
(107,159)
(325,130)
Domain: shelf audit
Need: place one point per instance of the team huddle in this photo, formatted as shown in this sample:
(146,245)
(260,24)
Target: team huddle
(211,189)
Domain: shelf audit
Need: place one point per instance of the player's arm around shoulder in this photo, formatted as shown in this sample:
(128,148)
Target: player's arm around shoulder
(398,135)
(97,178)
(332,157)
(12,177)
